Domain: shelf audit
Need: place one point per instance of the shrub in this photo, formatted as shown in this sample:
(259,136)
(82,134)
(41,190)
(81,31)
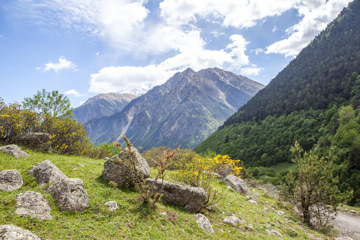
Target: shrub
(148,194)
(199,171)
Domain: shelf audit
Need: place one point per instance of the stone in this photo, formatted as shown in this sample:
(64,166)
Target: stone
(274,232)
(70,194)
(33,204)
(250,226)
(80,165)
(343,238)
(47,172)
(353,211)
(237,184)
(280,213)
(252,201)
(13,150)
(191,198)
(10,180)
(230,189)
(11,232)
(204,223)
(233,220)
(35,140)
(112,205)
(117,171)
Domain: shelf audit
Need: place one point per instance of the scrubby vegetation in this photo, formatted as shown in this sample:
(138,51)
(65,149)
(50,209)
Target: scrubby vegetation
(67,135)
(134,220)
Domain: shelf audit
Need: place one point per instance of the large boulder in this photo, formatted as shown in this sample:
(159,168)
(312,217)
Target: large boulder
(35,140)
(13,150)
(47,172)
(11,232)
(117,170)
(70,194)
(237,184)
(33,204)
(191,198)
(10,180)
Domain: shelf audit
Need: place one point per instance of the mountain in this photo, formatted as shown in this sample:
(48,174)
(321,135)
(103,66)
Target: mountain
(314,100)
(101,105)
(183,111)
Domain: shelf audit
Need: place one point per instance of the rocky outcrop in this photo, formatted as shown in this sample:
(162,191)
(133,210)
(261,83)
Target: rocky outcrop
(237,184)
(13,150)
(112,205)
(34,205)
(11,232)
(191,198)
(70,194)
(204,223)
(47,172)
(117,171)
(10,180)
(35,140)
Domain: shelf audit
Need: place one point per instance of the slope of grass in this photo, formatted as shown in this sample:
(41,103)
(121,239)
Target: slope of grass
(133,220)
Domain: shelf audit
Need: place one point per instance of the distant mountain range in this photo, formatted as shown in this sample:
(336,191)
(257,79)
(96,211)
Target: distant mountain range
(183,111)
(105,104)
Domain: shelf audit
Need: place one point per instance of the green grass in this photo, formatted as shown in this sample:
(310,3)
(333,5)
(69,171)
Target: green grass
(284,166)
(133,220)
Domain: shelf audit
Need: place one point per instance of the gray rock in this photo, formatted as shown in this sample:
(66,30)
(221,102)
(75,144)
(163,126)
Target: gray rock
(233,220)
(70,194)
(274,232)
(47,172)
(237,184)
(252,201)
(10,180)
(80,165)
(117,171)
(112,205)
(33,204)
(11,232)
(204,223)
(35,140)
(191,198)
(280,213)
(343,238)
(353,211)
(13,150)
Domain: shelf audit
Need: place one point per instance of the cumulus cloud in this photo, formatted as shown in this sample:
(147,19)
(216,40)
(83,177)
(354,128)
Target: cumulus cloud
(316,16)
(194,55)
(257,51)
(73,92)
(231,13)
(274,29)
(61,65)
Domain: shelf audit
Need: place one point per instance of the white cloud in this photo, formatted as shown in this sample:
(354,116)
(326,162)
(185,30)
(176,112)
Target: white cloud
(232,13)
(118,22)
(61,65)
(274,29)
(257,51)
(193,55)
(316,16)
(74,93)
(97,54)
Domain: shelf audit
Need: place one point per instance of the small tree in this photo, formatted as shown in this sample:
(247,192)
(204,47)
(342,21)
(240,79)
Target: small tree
(315,190)
(52,103)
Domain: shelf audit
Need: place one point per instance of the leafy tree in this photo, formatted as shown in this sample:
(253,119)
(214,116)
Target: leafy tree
(314,191)
(52,103)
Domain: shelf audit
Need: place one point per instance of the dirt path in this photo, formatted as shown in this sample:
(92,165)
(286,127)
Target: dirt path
(348,225)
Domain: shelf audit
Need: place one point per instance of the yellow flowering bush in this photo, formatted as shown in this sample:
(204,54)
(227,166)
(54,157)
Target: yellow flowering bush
(199,171)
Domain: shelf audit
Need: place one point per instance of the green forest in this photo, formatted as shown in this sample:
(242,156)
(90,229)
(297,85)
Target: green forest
(314,100)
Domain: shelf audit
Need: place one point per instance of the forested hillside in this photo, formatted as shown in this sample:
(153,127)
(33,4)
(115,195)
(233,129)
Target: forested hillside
(314,100)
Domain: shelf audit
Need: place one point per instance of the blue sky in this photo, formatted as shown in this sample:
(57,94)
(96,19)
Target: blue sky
(86,47)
